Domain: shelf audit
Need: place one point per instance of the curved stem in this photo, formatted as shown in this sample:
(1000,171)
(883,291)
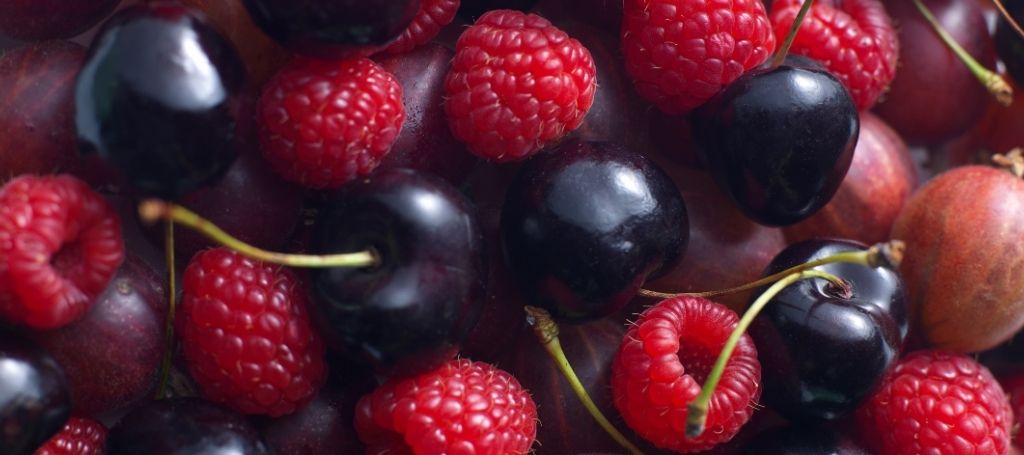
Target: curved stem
(888,254)
(995,84)
(1006,15)
(547,332)
(697,412)
(152,209)
(172,299)
(780,55)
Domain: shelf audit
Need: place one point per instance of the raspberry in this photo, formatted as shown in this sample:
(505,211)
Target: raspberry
(679,53)
(662,362)
(248,340)
(60,244)
(937,402)
(433,15)
(324,123)
(78,437)
(461,407)
(857,43)
(516,84)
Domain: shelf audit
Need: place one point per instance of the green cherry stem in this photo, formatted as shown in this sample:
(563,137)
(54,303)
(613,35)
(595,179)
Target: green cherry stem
(151,210)
(780,55)
(697,411)
(995,84)
(172,299)
(888,254)
(547,332)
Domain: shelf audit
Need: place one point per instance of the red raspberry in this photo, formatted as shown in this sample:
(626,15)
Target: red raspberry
(680,53)
(433,15)
(324,123)
(462,407)
(663,361)
(247,337)
(517,83)
(856,43)
(938,402)
(60,244)
(78,437)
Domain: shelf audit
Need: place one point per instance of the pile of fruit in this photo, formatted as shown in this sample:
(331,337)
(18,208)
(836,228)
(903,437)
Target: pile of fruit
(511,226)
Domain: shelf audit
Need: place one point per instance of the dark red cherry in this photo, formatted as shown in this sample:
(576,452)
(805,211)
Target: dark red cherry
(585,224)
(822,353)
(34,20)
(158,98)
(779,140)
(410,312)
(183,426)
(37,127)
(112,355)
(34,398)
(332,27)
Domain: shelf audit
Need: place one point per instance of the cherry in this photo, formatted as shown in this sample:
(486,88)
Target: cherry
(410,312)
(929,67)
(822,352)
(877,186)
(158,98)
(324,426)
(962,230)
(37,20)
(111,356)
(261,55)
(34,398)
(426,142)
(796,439)
(332,27)
(37,130)
(779,140)
(181,426)
(586,223)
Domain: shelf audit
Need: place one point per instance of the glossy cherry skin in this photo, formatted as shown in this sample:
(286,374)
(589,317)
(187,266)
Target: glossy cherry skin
(158,98)
(183,426)
(779,140)
(823,353)
(332,27)
(585,224)
(34,20)
(34,398)
(409,313)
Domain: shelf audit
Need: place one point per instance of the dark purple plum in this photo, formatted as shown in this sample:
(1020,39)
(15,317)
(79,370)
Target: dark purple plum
(112,355)
(779,140)
(34,20)
(332,27)
(802,440)
(585,224)
(37,128)
(159,99)
(34,398)
(822,353)
(411,311)
(183,426)
(426,141)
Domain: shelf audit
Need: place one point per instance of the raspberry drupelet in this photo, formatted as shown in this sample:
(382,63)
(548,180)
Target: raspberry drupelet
(60,244)
(80,436)
(517,83)
(324,123)
(247,336)
(664,359)
(461,407)
(433,15)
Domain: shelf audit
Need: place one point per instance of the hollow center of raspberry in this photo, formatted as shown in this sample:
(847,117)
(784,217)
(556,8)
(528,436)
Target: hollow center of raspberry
(697,359)
(68,258)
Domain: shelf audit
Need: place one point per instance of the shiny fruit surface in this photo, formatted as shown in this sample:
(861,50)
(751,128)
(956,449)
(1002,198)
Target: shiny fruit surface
(822,352)
(34,399)
(261,55)
(877,186)
(410,312)
(158,98)
(586,223)
(779,140)
(962,231)
(182,426)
